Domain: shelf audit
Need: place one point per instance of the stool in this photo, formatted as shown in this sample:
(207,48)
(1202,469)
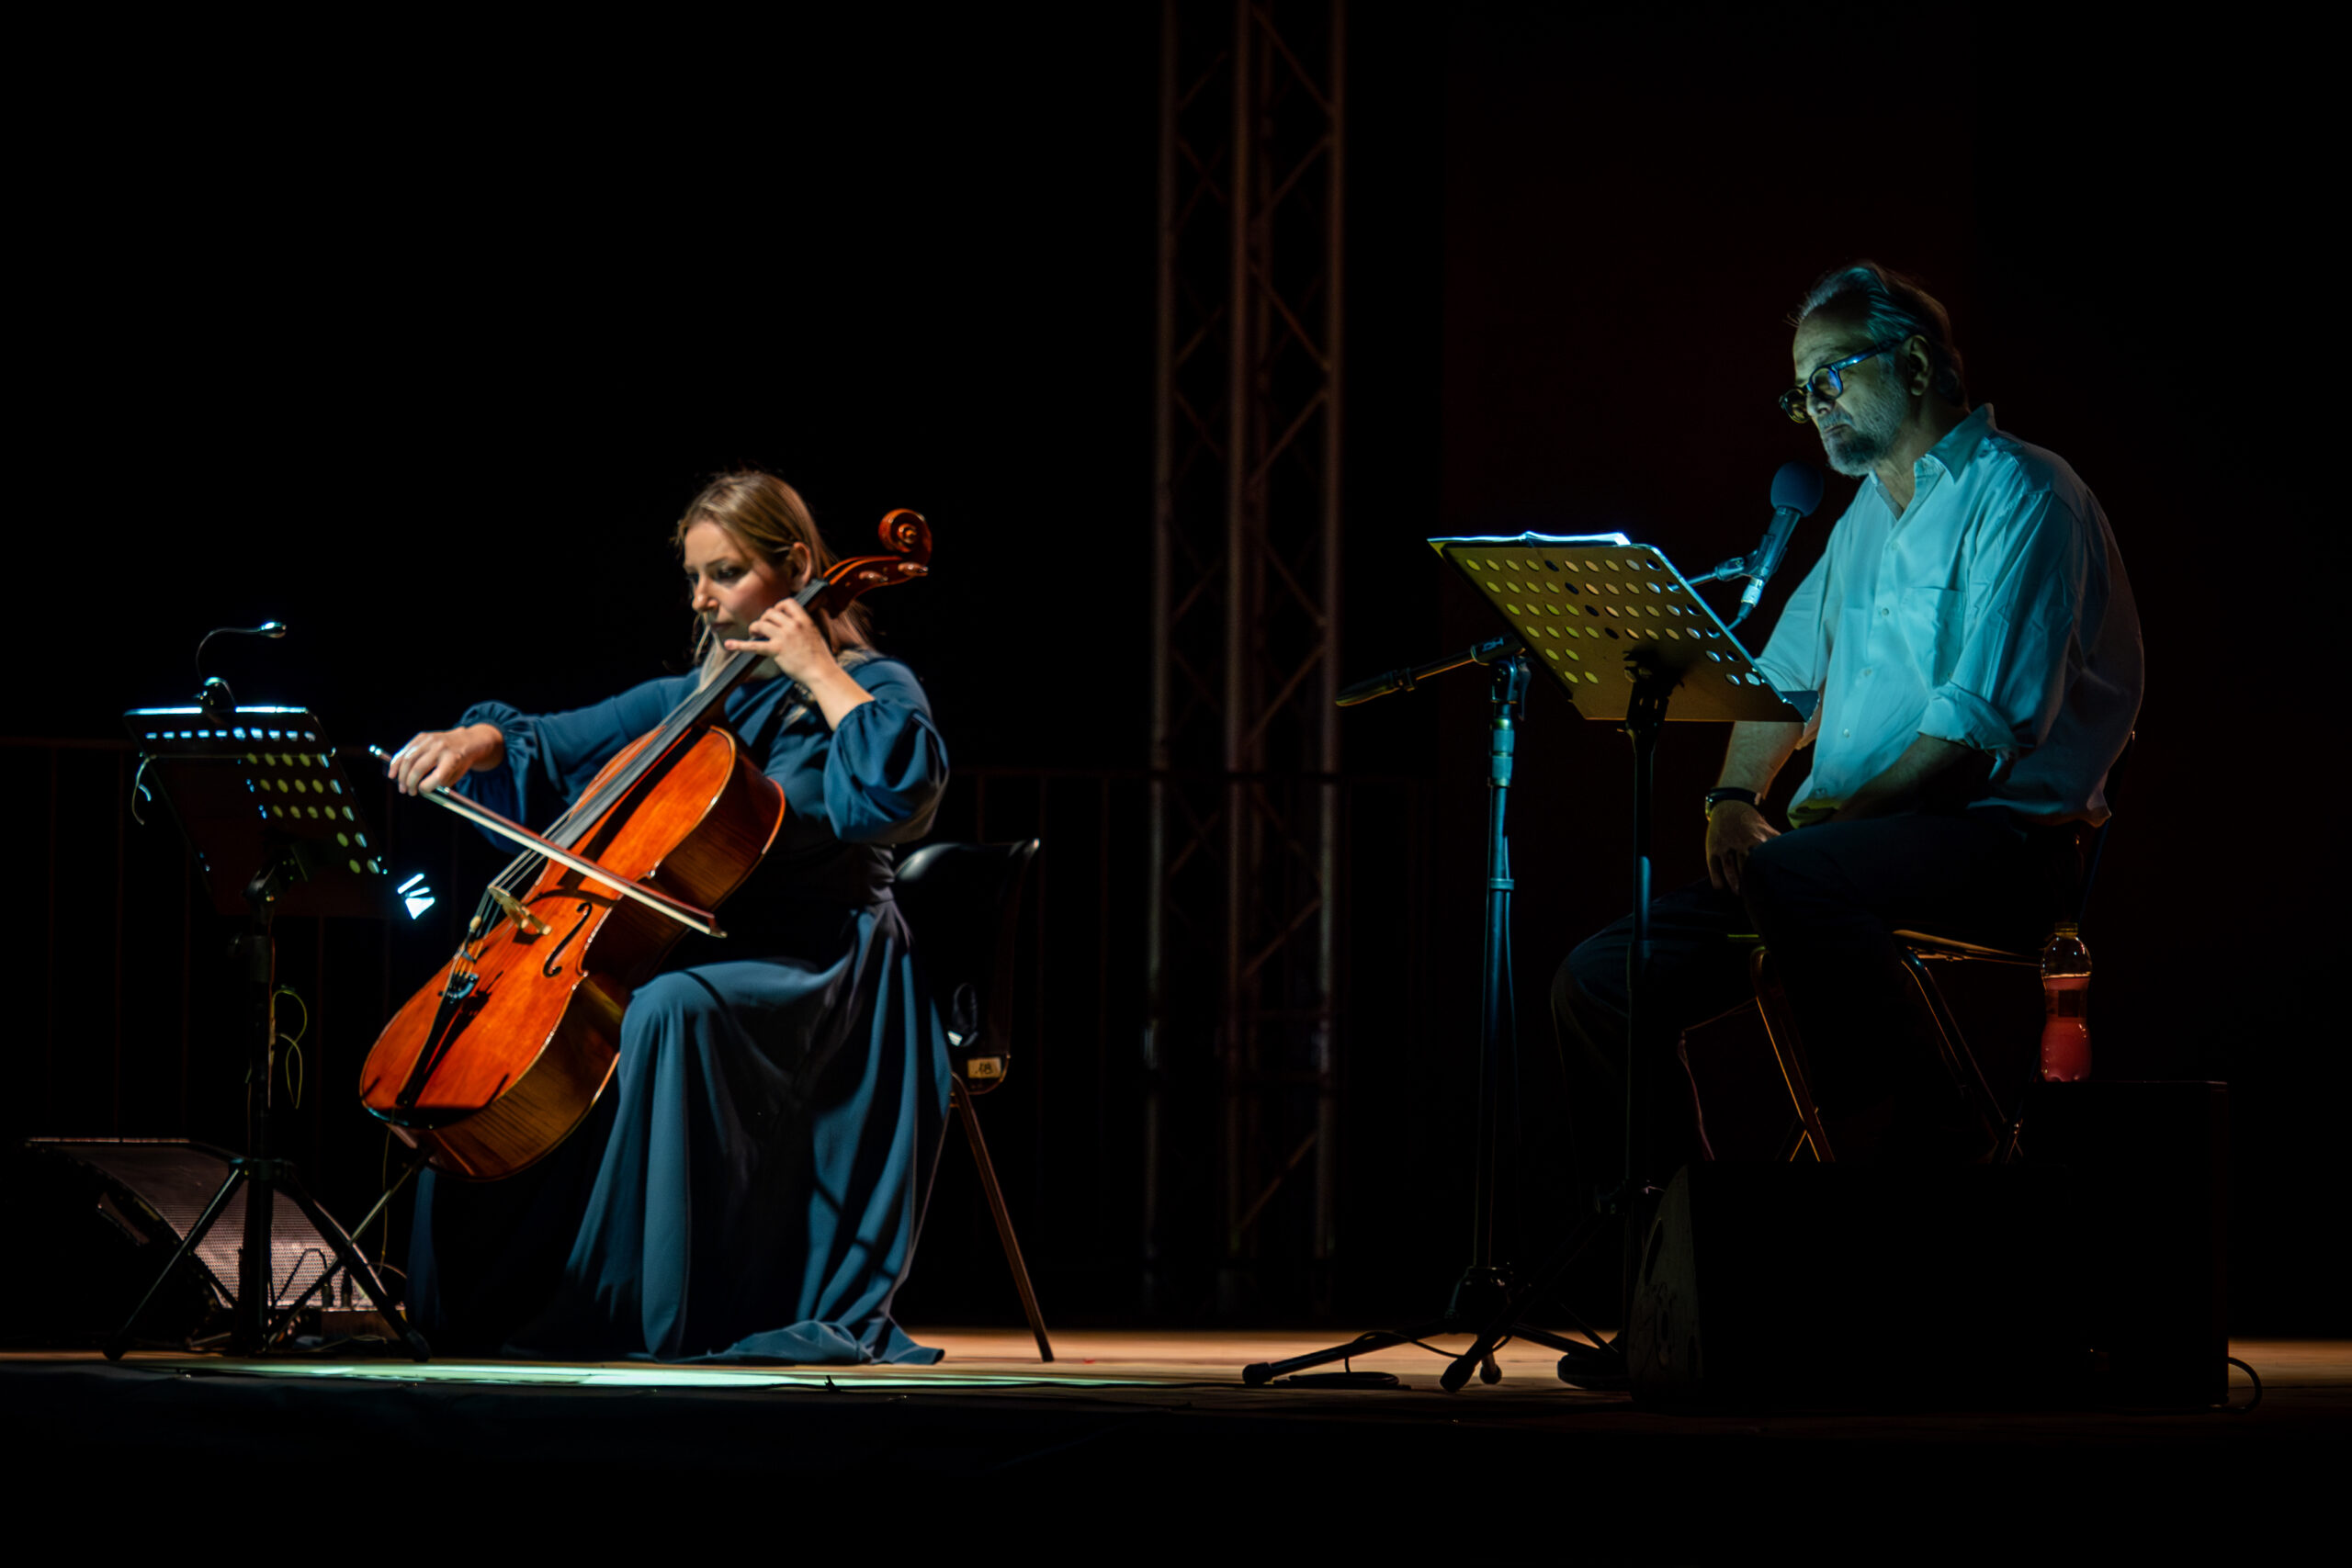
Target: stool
(2001,1127)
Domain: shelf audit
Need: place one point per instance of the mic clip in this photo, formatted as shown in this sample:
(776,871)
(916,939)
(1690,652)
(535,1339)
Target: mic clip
(1734,566)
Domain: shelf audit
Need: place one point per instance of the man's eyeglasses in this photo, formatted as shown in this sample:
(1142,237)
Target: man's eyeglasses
(1826,383)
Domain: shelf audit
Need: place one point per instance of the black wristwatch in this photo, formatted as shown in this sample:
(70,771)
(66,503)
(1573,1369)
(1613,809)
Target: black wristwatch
(1722,792)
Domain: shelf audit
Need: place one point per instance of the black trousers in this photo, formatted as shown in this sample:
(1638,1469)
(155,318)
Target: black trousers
(1824,899)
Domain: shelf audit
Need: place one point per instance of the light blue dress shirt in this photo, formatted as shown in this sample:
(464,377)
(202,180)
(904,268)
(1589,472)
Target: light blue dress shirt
(1993,611)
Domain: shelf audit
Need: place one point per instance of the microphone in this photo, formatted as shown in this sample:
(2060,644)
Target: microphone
(1797,490)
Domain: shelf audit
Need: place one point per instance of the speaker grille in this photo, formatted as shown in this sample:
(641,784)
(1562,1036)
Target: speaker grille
(166,1184)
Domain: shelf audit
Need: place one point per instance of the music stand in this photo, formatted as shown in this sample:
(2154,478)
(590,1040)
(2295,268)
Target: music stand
(276,829)
(1622,632)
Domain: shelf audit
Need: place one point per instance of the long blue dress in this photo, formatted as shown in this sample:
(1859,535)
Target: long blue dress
(751,1182)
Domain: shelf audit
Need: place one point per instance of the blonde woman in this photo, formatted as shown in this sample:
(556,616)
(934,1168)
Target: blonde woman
(750,1183)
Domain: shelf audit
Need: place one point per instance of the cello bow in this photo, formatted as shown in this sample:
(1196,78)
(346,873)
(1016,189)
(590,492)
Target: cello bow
(506,828)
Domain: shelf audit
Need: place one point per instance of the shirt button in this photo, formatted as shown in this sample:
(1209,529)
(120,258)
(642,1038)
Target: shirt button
(1846,734)
(1865,671)
(1884,611)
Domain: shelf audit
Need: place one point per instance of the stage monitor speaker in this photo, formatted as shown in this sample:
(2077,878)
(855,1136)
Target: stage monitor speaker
(1789,1286)
(99,1219)
(2152,1159)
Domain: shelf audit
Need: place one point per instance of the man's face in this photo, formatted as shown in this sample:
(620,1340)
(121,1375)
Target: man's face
(1859,427)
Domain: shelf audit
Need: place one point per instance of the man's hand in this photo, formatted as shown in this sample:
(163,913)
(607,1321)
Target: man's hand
(1734,829)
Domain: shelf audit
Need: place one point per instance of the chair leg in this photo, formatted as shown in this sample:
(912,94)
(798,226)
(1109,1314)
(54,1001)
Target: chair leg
(1798,1141)
(1960,1064)
(1780,1028)
(961,1100)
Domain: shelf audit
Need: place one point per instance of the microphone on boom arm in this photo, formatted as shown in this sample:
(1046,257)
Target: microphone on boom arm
(1797,490)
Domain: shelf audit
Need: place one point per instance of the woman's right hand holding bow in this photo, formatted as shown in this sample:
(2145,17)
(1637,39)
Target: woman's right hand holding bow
(440,758)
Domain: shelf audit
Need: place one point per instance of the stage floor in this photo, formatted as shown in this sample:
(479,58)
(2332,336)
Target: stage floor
(1117,1406)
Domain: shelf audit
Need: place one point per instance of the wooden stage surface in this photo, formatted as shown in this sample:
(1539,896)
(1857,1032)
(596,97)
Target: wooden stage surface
(1114,1406)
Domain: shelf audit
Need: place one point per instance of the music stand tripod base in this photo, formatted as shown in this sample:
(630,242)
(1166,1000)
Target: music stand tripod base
(1483,1286)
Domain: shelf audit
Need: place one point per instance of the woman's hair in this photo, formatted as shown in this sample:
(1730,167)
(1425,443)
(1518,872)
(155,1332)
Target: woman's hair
(1891,306)
(766,517)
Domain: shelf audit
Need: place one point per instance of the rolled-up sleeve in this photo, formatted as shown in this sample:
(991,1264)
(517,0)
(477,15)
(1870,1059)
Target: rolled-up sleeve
(888,765)
(2018,647)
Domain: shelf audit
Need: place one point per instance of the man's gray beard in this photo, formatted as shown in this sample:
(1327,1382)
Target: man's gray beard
(1869,443)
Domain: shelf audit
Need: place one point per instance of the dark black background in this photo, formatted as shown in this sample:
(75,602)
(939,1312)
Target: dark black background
(419,341)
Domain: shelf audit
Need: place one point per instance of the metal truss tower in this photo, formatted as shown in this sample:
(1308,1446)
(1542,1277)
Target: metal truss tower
(1245,802)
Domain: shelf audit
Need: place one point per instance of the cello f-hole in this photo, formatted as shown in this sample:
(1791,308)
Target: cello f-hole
(551,968)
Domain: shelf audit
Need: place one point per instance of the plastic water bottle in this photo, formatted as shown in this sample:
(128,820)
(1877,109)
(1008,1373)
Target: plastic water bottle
(2066,1006)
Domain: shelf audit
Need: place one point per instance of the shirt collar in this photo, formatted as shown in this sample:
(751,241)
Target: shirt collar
(1960,443)
(1949,455)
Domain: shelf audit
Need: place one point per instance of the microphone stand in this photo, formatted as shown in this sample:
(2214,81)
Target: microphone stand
(1484,1291)
(1412,675)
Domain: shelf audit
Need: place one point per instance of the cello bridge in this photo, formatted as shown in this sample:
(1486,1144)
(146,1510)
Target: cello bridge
(528,923)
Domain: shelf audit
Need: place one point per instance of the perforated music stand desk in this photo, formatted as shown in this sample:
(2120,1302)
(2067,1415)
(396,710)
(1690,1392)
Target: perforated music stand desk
(248,785)
(1597,610)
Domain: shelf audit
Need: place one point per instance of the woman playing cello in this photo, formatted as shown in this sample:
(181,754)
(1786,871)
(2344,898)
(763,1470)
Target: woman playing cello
(751,1180)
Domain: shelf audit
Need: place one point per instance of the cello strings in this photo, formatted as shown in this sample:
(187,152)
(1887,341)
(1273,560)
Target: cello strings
(521,873)
(516,878)
(567,829)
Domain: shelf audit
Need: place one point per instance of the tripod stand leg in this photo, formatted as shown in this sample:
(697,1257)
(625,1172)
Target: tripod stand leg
(1560,1342)
(1505,1323)
(121,1340)
(348,1254)
(1258,1373)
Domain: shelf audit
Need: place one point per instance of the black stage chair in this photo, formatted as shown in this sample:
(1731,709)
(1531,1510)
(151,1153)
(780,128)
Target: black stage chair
(2002,1124)
(961,902)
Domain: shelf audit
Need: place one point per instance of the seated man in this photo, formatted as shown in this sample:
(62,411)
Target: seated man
(1971,634)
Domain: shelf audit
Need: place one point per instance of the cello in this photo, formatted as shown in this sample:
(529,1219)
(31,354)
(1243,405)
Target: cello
(504,1052)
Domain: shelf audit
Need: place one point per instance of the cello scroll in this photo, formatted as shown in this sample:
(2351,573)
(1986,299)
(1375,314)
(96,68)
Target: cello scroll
(902,532)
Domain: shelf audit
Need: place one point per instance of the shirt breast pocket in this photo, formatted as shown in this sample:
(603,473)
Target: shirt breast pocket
(1933,623)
